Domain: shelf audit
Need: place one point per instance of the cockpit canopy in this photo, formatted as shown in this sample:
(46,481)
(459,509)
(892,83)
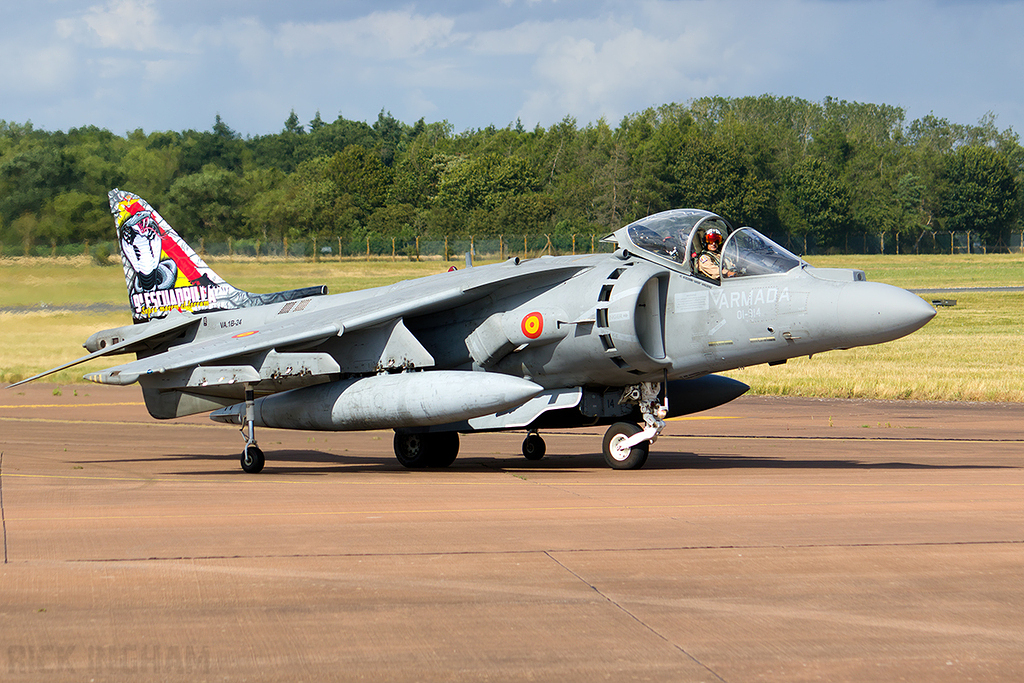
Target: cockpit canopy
(677,238)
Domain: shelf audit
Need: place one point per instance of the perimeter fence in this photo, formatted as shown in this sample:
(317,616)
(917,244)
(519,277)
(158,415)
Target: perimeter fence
(379,247)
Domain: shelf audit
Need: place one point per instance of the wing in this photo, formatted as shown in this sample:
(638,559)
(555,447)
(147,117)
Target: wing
(323,318)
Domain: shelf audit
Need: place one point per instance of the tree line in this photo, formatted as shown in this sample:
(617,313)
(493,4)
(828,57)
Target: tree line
(816,172)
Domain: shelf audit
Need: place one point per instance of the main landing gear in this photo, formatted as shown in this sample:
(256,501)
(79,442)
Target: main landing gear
(252,457)
(426,449)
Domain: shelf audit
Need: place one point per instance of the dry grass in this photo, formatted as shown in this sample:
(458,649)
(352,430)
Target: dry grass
(940,270)
(973,351)
(33,342)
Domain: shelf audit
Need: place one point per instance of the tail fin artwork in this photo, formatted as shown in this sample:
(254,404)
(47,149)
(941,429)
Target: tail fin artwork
(163,273)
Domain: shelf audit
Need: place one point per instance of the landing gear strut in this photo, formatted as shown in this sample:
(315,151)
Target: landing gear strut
(252,457)
(626,445)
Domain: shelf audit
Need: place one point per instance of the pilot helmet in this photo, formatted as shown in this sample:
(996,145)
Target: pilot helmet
(713,236)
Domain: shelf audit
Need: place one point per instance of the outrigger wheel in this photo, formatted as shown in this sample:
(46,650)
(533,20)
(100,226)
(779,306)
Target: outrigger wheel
(533,446)
(252,459)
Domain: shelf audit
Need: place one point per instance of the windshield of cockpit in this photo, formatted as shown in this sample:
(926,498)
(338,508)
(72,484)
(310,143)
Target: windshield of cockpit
(680,235)
(666,234)
(748,252)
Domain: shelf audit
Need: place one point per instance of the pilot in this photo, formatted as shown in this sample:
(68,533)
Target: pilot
(711,258)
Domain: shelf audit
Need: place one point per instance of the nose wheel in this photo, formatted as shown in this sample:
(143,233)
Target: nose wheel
(626,445)
(621,450)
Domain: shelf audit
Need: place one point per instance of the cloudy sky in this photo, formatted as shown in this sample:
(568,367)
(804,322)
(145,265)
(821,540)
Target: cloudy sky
(176,64)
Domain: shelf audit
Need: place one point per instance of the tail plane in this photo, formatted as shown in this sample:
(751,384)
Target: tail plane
(163,273)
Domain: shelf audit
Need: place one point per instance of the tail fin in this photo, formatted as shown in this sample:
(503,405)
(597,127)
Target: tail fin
(164,274)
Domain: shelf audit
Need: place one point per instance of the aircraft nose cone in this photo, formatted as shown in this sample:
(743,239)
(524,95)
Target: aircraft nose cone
(872,312)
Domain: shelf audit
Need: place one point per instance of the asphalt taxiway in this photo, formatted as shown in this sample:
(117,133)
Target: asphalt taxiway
(766,540)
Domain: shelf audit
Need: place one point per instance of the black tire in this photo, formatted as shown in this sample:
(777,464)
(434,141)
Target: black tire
(252,460)
(411,450)
(616,457)
(444,448)
(534,447)
(419,450)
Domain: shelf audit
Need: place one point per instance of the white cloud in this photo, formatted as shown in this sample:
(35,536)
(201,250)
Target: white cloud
(381,35)
(118,24)
(480,63)
(38,70)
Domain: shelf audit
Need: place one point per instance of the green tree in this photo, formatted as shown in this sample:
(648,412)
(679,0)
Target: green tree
(206,204)
(390,132)
(319,208)
(220,147)
(150,166)
(292,125)
(362,175)
(485,182)
(713,175)
(77,215)
(266,204)
(814,203)
(30,178)
(981,194)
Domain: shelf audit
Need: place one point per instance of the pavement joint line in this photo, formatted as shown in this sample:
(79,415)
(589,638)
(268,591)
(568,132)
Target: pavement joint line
(74,405)
(634,617)
(899,439)
(3,515)
(501,482)
(533,551)
(465,511)
(144,423)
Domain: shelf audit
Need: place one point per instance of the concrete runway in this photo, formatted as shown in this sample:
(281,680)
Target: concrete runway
(767,540)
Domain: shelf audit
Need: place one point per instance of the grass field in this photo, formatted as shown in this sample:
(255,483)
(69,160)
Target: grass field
(973,351)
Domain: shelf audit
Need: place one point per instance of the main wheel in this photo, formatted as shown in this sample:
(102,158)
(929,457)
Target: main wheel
(534,447)
(444,448)
(619,457)
(252,459)
(438,449)
(411,450)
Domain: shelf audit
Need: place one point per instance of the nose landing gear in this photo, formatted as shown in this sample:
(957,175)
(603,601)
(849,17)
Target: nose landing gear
(626,445)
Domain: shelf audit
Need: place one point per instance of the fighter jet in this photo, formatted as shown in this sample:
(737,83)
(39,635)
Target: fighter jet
(625,339)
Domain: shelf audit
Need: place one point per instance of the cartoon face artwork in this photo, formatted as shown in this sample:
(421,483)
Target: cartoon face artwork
(162,272)
(142,244)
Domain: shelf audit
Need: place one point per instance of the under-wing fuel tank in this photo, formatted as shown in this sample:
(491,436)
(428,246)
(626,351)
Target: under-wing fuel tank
(411,399)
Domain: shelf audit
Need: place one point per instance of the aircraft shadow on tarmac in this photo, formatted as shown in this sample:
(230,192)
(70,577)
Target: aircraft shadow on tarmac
(707,462)
(313,462)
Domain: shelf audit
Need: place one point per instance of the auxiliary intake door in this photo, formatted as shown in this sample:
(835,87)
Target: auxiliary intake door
(632,309)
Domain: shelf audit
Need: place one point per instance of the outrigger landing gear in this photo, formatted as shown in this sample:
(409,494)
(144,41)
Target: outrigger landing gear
(252,457)
(533,446)
(626,445)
